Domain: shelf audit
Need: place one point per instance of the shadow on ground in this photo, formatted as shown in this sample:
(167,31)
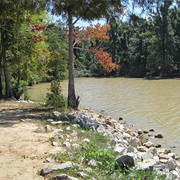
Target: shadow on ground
(10,116)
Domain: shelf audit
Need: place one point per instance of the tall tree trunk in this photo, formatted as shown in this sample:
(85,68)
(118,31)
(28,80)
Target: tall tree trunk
(1,88)
(72,101)
(164,62)
(8,92)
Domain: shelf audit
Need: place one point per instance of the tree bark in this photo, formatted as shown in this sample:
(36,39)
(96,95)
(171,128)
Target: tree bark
(72,102)
(8,91)
(1,88)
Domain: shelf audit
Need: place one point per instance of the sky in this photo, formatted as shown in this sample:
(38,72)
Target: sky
(102,21)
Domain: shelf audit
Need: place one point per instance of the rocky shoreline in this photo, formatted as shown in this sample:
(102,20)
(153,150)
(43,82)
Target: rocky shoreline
(133,148)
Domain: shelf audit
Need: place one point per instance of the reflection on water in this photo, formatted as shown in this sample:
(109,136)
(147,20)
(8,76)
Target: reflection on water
(142,103)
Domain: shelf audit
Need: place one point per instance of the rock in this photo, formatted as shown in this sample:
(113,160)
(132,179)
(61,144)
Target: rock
(142,138)
(125,161)
(49,160)
(93,163)
(147,165)
(119,150)
(50,120)
(142,148)
(172,155)
(151,130)
(139,131)
(74,134)
(76,120)
(82,174)
(144,155)
(171,164)
(67,145)
(48,128)
(86,140)
(45,171)
(75,125)
(131,149)
(158,145)
(88,169)
(55,143)
(112,142)
(53,122)
(68,128)
(145,131)
(57,115)
(123,143)
(126,136)
(71,117)
(156,158)
(76,146)
(163,161)
(164,151)
(134,142)
(161,167)
(152,150)
(120,118)
(163,156)
(162,173)
(58,137)
(90,125)
(148,144)
(118,135)
(175,174)
(101,129)
(108,134)
(158,136)
(40,130)
(62,166)
(64,177)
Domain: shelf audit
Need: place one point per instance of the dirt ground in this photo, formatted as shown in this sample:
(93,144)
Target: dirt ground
(22,150)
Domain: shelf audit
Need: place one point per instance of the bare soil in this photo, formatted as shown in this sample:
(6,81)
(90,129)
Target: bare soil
(22,149)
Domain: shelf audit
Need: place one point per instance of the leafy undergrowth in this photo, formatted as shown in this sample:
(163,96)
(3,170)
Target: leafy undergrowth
(100,150)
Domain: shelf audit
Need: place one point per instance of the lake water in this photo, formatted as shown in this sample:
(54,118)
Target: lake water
(143,104)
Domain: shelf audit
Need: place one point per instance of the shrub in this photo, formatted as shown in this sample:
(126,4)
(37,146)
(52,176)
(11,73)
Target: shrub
(18,87)
(55,98)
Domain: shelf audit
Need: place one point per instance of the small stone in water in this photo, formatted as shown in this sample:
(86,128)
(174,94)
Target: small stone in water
(159,136)
(151,130)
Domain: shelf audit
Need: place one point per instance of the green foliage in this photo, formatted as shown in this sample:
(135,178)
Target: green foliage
(55,98)
(18,88)
(58,49)
(103,156)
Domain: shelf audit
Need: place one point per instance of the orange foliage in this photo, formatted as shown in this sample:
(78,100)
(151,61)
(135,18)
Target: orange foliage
(96,32)
(93,33)
(105,60)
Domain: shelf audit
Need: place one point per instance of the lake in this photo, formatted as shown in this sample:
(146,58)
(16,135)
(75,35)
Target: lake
(143,104)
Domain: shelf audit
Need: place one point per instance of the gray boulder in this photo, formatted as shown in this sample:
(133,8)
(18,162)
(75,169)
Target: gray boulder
(64,177)
(57,115)
(125,161)
(171,164)
(62,166)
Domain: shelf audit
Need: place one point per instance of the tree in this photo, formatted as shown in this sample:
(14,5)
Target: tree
(58,48)
(12,14)
(72,11)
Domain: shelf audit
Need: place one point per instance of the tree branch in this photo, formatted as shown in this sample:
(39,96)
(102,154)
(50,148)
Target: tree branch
(84,49)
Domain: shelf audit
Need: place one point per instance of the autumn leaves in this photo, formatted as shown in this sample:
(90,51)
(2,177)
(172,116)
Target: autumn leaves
(93,34)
